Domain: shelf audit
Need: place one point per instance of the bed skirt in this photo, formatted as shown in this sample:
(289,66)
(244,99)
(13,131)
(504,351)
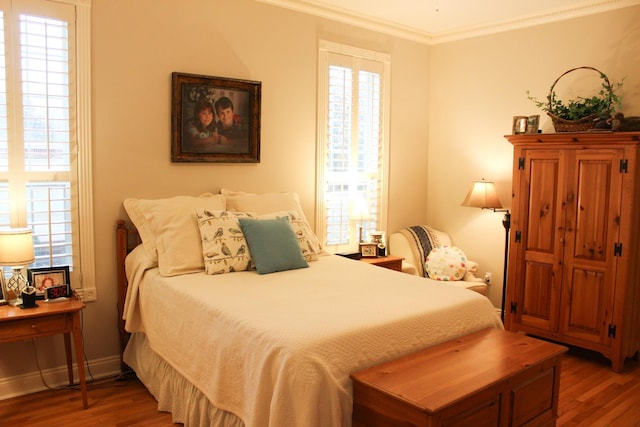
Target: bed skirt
(174,393)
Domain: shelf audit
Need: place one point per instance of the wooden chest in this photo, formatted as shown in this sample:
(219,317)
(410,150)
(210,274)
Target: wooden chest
(489,378)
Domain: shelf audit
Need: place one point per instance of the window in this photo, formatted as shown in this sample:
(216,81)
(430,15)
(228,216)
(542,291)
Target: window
(353,93)
(44,130)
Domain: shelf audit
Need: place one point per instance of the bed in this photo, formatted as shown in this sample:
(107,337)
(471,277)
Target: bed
(254,348)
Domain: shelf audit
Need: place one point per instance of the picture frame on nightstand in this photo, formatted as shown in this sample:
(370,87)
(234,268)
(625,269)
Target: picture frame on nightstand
(369,250)
(43,278)
(3,301)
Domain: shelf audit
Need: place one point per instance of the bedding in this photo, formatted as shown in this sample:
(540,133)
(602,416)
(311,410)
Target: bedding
(277,349)
(168,229)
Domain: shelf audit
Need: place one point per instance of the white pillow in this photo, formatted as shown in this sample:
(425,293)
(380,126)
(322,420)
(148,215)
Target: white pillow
(267,203)
(169,229)
(446,263)
(224,247)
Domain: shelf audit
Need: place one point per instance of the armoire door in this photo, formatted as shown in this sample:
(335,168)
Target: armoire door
(538,240)
(593,207)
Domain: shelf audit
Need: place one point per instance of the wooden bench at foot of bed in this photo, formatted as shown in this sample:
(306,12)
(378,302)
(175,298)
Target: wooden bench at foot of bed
(489,378)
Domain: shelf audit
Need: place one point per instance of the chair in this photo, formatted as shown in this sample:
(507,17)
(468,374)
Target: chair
(416,242)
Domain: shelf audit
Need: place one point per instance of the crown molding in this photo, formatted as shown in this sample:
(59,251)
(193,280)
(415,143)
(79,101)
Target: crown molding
(525,21)
(404,32)
(348,17)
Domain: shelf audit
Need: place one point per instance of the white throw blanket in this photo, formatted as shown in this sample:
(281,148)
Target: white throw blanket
(277,349)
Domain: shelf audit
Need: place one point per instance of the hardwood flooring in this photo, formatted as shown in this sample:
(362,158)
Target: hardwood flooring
(590,395)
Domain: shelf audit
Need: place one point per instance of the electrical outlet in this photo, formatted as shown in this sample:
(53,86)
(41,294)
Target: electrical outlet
(487,278)
(89,294)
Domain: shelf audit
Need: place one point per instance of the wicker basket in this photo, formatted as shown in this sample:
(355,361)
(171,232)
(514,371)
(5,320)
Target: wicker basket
(564,125)
(580,125)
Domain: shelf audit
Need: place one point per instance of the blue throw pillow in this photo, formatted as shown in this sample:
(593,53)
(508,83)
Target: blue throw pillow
(273,244)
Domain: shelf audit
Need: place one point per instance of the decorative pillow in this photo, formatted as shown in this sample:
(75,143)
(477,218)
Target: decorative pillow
(264,203)
(267,203)
(302,231)
(446,263)
(274,246)
(169,230)
(224,247)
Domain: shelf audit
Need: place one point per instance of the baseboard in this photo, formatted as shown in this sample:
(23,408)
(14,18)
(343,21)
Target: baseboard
(56,377)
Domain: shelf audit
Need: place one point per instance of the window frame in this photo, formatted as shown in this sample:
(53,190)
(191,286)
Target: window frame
(83,276)
(325,49)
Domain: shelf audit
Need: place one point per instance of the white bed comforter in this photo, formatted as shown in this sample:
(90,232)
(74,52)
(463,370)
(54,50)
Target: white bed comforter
(277,349)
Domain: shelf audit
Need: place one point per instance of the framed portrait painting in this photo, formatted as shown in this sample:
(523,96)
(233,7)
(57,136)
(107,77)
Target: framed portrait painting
(44,278)
(215,119)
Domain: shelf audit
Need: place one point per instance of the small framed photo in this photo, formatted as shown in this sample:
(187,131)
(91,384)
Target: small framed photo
(525,124)
(519,124)
(43,278)
(3,299)
(533,123)
(369,250)
(215,119)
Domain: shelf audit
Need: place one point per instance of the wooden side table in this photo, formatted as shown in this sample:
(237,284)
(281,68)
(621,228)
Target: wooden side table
(391,262)
(49,318)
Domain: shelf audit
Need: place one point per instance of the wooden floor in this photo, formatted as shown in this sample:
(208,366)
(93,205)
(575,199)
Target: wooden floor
(590,395)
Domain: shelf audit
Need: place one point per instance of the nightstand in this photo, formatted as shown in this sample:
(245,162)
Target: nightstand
(49,318)
(391,262)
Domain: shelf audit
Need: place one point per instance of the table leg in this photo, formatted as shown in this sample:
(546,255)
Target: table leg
(67,350)
(77,343)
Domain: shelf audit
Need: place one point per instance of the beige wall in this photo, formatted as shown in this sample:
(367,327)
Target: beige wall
(478,85)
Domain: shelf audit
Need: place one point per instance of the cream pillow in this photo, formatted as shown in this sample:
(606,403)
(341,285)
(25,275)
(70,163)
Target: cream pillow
(169,229)
(264,203)
(446,263)
(267,203)
(224,247)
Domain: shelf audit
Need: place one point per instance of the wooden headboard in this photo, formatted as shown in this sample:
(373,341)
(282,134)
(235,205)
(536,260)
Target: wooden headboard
(127,238)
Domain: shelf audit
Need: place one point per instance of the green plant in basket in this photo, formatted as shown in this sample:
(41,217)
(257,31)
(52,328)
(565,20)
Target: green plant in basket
(580,113)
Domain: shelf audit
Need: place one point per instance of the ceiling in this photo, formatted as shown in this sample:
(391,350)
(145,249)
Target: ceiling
(436,21)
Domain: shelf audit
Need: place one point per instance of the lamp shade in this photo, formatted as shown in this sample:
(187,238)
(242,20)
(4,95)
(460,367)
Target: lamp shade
(482,194)
(360,210)
(16,247)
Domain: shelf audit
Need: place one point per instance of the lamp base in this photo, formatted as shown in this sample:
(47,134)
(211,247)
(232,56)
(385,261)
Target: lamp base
(15,302)
(15,285)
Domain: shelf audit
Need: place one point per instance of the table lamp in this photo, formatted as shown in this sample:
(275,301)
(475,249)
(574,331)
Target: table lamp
(360,213)
(16,251)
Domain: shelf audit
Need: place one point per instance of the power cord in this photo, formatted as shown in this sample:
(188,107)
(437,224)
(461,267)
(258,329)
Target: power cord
(92,384)
(122,376)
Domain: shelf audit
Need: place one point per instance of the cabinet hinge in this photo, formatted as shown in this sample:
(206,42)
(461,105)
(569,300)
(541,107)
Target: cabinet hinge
(518,236)
(617,249)
(624,165)
(521,163)
(514,307)
(612,331)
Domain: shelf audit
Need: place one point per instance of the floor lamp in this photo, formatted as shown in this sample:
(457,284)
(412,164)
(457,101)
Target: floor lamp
(483,195)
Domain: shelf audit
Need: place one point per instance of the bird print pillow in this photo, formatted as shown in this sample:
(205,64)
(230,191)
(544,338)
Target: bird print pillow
(302,231)
(224,247)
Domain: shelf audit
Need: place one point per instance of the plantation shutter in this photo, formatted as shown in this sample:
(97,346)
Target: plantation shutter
(39,130)
(352,161)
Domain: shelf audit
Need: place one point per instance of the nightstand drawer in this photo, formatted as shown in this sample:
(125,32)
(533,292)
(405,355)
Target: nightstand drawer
(27,328)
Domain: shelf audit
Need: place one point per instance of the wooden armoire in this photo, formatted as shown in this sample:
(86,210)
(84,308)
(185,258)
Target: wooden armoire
(574,256)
